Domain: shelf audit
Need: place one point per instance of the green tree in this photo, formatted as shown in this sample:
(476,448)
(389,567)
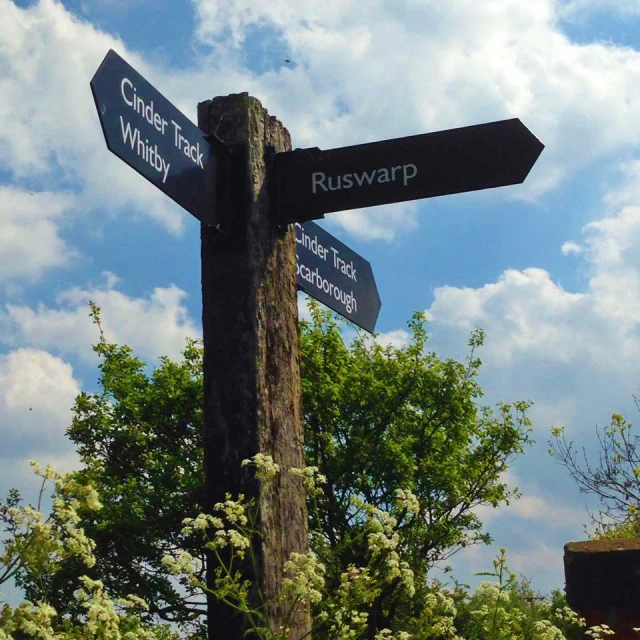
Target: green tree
(614,477)
(381,420)
(396,429)
(139,439)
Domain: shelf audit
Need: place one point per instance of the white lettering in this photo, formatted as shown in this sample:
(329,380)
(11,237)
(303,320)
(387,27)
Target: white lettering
(176,128)
(405,173)
(126,133)
(311,243)
(317,179)
(147,111)
(335,187)
(320,182)
(148,153)
(315,278)
(347,268)
(361,177)
(199,158)
(122,84)
(192,151)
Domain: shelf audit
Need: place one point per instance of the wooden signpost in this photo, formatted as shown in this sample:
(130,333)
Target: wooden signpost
(254,197)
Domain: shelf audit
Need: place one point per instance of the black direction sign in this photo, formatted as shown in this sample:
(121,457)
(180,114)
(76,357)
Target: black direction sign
(336,276)
(312,182)
(145,130)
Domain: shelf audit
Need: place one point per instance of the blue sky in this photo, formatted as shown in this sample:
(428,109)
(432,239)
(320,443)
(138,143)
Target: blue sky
(548,269)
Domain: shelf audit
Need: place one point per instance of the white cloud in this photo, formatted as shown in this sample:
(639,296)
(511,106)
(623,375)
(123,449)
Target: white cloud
(547,511)
(377,223)
(561,413)
(543,510)
(30,240)
(382,77)
(398,338)
(574,354)
(366,80)
(569,248)
(49,127)
(152,326)
(37,391)
(528,315)
(539,558)
(629,191)
(525,312)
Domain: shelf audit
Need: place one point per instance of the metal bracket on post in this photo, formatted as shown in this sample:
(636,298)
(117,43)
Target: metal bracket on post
(280,169)
(230,186)
(274,177)
(220,216)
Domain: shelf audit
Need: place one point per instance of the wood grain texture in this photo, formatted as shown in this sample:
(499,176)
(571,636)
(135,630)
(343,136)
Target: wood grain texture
(252,359)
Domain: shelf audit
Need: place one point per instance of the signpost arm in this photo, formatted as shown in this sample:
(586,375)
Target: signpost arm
(252,388)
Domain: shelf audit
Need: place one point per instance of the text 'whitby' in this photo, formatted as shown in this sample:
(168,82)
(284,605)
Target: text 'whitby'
(149,152)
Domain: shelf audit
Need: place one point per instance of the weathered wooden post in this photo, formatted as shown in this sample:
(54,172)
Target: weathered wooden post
(251,352)
(252,390)
(603,583)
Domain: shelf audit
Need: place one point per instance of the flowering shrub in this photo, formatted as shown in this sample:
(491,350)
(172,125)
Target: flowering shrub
(494,610)
(36,545)
(506,608)
(32,554)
